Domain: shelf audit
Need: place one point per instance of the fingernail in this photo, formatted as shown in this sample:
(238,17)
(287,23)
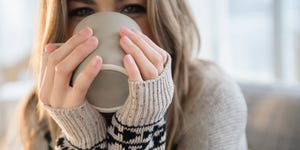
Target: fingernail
(92,40)
(87,31)
(126,30)
(91,44)
(96,61)
(127,41)
(49,48)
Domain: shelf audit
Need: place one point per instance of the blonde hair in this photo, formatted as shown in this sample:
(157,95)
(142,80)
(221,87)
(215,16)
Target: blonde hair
(174,30)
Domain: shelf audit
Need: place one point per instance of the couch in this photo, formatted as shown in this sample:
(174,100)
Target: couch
(273,116)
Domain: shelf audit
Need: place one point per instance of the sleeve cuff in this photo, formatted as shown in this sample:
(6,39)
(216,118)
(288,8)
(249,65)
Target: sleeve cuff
(148,100)
(83,126)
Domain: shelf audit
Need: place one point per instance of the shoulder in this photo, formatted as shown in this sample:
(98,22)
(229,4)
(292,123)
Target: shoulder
(213,95)
(207,72)
(208,79)
(215,112)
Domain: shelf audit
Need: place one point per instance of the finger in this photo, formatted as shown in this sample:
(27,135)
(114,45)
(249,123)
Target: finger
(155,58)
(70,45)
(84,81)
(152,44)
(132,69)
(64,70)
(48,49)
(147,69)
(54,58)
(46,85)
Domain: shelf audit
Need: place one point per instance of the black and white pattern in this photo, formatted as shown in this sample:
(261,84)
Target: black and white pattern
(150,136)
(119,136)
(63,144)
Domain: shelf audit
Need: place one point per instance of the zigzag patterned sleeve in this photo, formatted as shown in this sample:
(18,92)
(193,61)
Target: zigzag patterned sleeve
(140,123)
(82,127)
(63,143)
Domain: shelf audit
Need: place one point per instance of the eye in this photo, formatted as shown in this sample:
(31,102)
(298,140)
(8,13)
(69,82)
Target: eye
(81,12)
(133,9)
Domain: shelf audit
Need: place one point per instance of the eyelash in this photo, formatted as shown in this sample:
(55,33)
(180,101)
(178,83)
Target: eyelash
(81,12)
(128,10)
(135,9)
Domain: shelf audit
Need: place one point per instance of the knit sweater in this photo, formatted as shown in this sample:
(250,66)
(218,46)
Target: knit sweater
(215,116)
(139,124)
(215,111)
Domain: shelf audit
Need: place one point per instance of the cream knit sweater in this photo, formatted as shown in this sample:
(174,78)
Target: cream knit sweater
(139,124)
(215,116)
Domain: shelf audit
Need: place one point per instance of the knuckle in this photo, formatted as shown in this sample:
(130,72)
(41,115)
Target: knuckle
(42,96)
(83,79)
(80,89)
(134,51)
(151,74)
(75,38)
(88,75)
(137,39)
(61,69)
(52,60)
(83,50)
(158,61)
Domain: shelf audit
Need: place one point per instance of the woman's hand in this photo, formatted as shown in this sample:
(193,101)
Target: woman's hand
(151,86)
(58,65)
(145,60)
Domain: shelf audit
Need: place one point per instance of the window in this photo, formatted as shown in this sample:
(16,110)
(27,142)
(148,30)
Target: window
(16,39)
(253,40)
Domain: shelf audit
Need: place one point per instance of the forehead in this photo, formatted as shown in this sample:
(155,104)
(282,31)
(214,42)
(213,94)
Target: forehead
(95,1)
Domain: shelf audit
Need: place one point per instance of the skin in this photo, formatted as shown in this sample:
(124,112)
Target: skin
(144,59)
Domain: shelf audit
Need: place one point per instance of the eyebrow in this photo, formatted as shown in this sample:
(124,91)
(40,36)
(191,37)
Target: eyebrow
(91,2)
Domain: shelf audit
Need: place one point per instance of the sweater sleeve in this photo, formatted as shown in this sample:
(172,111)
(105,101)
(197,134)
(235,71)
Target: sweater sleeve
(82,127)
(141,123)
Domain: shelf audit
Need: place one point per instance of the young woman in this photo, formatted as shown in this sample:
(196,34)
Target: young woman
(198,106)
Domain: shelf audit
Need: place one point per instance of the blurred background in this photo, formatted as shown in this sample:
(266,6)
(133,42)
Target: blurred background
(257,42)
